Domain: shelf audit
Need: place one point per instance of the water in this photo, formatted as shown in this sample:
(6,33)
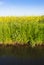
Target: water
(21,56)
(20,61)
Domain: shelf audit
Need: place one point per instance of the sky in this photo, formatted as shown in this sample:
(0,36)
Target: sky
(21,7)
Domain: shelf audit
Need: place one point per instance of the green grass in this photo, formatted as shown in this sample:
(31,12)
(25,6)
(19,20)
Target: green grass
(22,32)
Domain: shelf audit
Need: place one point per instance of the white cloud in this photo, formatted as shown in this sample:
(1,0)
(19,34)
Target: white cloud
(21,11)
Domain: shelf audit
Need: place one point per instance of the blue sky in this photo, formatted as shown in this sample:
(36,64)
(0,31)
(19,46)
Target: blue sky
(21,7)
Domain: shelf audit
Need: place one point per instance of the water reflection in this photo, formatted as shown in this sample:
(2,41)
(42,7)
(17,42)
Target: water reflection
(20,61)
(22,51)
(21,55)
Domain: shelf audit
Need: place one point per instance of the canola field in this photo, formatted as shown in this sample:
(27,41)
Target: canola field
(22,30)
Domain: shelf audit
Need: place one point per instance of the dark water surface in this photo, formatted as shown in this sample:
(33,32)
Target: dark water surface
(21,55)
(21,61)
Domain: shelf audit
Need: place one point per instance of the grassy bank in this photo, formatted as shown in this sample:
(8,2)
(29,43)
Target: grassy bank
(22,30)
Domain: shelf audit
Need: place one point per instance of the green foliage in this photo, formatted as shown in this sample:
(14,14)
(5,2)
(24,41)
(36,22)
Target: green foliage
(22,32)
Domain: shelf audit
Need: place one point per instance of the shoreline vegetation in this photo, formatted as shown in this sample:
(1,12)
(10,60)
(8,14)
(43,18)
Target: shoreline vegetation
(22,31)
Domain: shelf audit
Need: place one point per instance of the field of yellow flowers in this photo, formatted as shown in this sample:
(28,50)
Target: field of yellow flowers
(22,30)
